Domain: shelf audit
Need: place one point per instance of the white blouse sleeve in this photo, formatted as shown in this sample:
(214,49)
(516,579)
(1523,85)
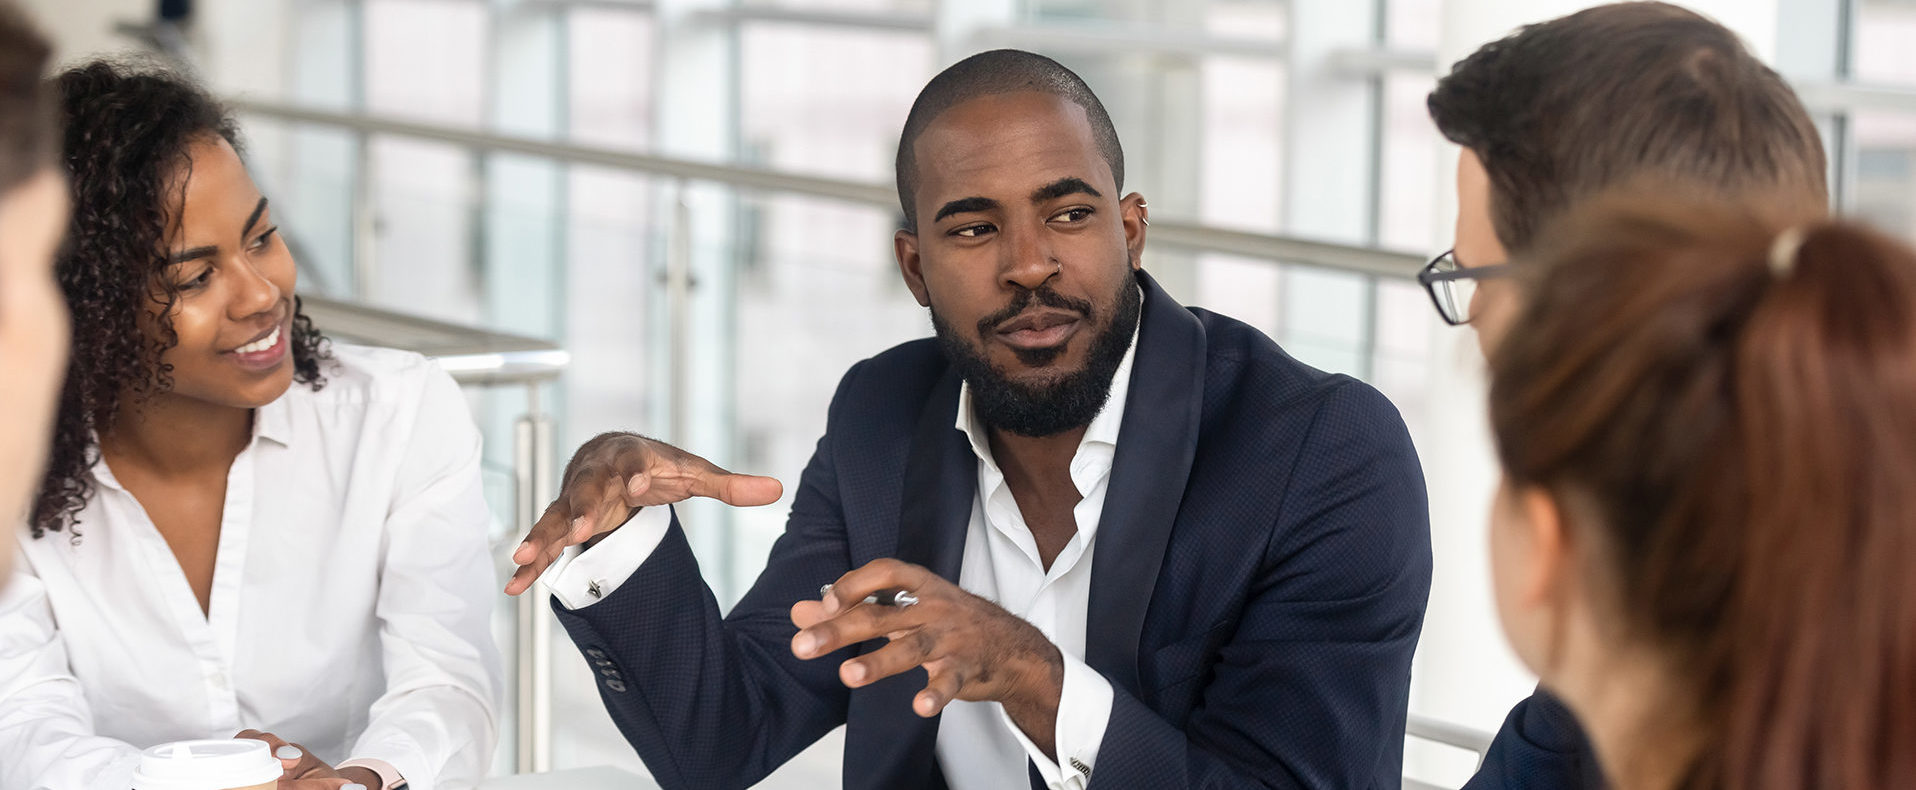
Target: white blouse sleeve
(437,722)
(46,728)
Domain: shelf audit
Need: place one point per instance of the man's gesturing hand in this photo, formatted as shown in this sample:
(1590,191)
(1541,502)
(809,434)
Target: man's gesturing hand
(612,476)
(970,648)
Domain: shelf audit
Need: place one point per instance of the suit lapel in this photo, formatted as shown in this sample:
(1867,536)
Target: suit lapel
(940,482)
(1157,442)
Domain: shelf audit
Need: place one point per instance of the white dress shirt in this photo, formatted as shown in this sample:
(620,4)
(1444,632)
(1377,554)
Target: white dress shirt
(979,746)
(350,608)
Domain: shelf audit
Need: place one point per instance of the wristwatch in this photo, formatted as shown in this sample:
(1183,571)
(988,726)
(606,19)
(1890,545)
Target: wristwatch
(389,778)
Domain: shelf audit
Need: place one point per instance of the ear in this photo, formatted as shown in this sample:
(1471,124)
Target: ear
(1546,548)
(904,245)
(1136,221)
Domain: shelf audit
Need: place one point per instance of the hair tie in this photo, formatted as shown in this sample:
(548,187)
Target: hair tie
(1783,251)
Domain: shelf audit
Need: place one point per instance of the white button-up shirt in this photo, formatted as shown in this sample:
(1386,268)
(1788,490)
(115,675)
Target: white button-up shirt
(978,745)
(350,607)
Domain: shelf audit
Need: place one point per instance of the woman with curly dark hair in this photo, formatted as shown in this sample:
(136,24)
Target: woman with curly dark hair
(33,316)
(240,528)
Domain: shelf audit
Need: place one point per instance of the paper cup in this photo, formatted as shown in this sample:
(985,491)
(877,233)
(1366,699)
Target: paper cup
(240,764)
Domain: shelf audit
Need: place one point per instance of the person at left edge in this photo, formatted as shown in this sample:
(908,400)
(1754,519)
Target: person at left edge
(239,531)
(1150,549)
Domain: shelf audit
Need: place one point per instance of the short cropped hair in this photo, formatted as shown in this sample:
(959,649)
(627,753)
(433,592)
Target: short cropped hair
(27,139)
(1561,111)
(991,73)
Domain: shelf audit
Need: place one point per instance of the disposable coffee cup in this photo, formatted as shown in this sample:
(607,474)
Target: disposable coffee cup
(239,764)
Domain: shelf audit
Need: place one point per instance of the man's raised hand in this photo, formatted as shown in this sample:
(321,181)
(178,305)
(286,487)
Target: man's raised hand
(609,479)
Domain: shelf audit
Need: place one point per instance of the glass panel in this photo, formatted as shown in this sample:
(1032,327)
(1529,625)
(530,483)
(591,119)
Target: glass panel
(1413,24)
(1413,178)
(1881,50)
(1242,148)
(437,77)
(423,250)
(1327,319)
(610,57)
(827,101)
(925,7)
(1885,190)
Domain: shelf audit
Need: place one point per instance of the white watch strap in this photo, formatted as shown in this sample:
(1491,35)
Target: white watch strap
(389,778)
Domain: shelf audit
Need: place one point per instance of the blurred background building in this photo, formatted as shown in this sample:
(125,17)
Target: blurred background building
(675,217)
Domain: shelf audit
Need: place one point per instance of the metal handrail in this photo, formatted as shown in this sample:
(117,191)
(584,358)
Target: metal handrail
(473,356)
(1470,739)
(1187,235)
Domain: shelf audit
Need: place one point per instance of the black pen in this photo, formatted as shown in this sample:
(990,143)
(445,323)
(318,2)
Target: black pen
(898,598)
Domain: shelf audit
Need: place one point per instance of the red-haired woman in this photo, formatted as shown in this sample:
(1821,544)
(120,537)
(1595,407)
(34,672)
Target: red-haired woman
(1706,531)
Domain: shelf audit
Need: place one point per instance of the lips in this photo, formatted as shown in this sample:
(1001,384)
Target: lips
(1039,329)
(265,350)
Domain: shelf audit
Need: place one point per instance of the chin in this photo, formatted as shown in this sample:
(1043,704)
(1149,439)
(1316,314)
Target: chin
(265,392)
(1039,377)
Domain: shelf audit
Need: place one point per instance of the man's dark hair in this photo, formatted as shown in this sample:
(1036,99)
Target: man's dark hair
(1561,110)
(988,74)
(27,142)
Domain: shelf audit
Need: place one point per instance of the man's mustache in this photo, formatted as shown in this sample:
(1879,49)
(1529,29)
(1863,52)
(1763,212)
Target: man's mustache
(1021,302)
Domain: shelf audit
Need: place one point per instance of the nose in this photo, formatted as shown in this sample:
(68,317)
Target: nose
(1028,259)
(254,292)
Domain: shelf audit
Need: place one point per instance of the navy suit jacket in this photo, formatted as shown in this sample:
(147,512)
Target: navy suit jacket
(1258,584)
(1541,747)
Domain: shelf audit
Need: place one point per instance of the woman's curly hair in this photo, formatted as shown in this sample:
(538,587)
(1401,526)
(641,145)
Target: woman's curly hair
(127,129)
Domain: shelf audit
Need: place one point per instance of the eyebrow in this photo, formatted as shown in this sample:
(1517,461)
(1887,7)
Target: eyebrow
(964,206)
(1069,185)
(208,251)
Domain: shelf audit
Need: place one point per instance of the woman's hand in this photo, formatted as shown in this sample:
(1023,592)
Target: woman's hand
(297,763)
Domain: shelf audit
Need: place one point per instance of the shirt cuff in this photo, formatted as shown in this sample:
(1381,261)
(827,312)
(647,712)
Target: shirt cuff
(1084,711)
(583,577)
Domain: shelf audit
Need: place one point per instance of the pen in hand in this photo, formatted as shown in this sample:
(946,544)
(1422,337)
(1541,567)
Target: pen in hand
(898,598)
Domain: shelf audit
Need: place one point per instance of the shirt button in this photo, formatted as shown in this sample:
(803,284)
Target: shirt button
(217,680)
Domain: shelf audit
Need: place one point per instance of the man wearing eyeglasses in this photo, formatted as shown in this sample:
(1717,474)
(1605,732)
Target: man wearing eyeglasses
(1554,115)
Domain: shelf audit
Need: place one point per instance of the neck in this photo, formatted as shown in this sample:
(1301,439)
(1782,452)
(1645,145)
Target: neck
(1036,458)
(1641,721)
(172,435)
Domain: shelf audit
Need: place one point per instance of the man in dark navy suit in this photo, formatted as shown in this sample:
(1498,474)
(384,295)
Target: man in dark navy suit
(1084,537)
(1556,114)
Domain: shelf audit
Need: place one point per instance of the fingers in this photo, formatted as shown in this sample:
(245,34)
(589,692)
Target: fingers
(548,538)
(294,760)
(859,624)
(881,574)
(806,614)
(739,490)
(945,683)
(678,475)
(911,649)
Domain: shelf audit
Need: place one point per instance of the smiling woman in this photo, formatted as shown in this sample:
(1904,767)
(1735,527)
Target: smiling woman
(243,529)
(138,265)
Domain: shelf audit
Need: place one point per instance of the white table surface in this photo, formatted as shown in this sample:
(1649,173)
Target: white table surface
(601,778)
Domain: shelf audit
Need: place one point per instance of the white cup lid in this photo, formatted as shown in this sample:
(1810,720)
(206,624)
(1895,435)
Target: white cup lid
(206,765)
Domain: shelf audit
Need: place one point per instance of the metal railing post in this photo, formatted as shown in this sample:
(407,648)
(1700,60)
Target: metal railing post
(531,467)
